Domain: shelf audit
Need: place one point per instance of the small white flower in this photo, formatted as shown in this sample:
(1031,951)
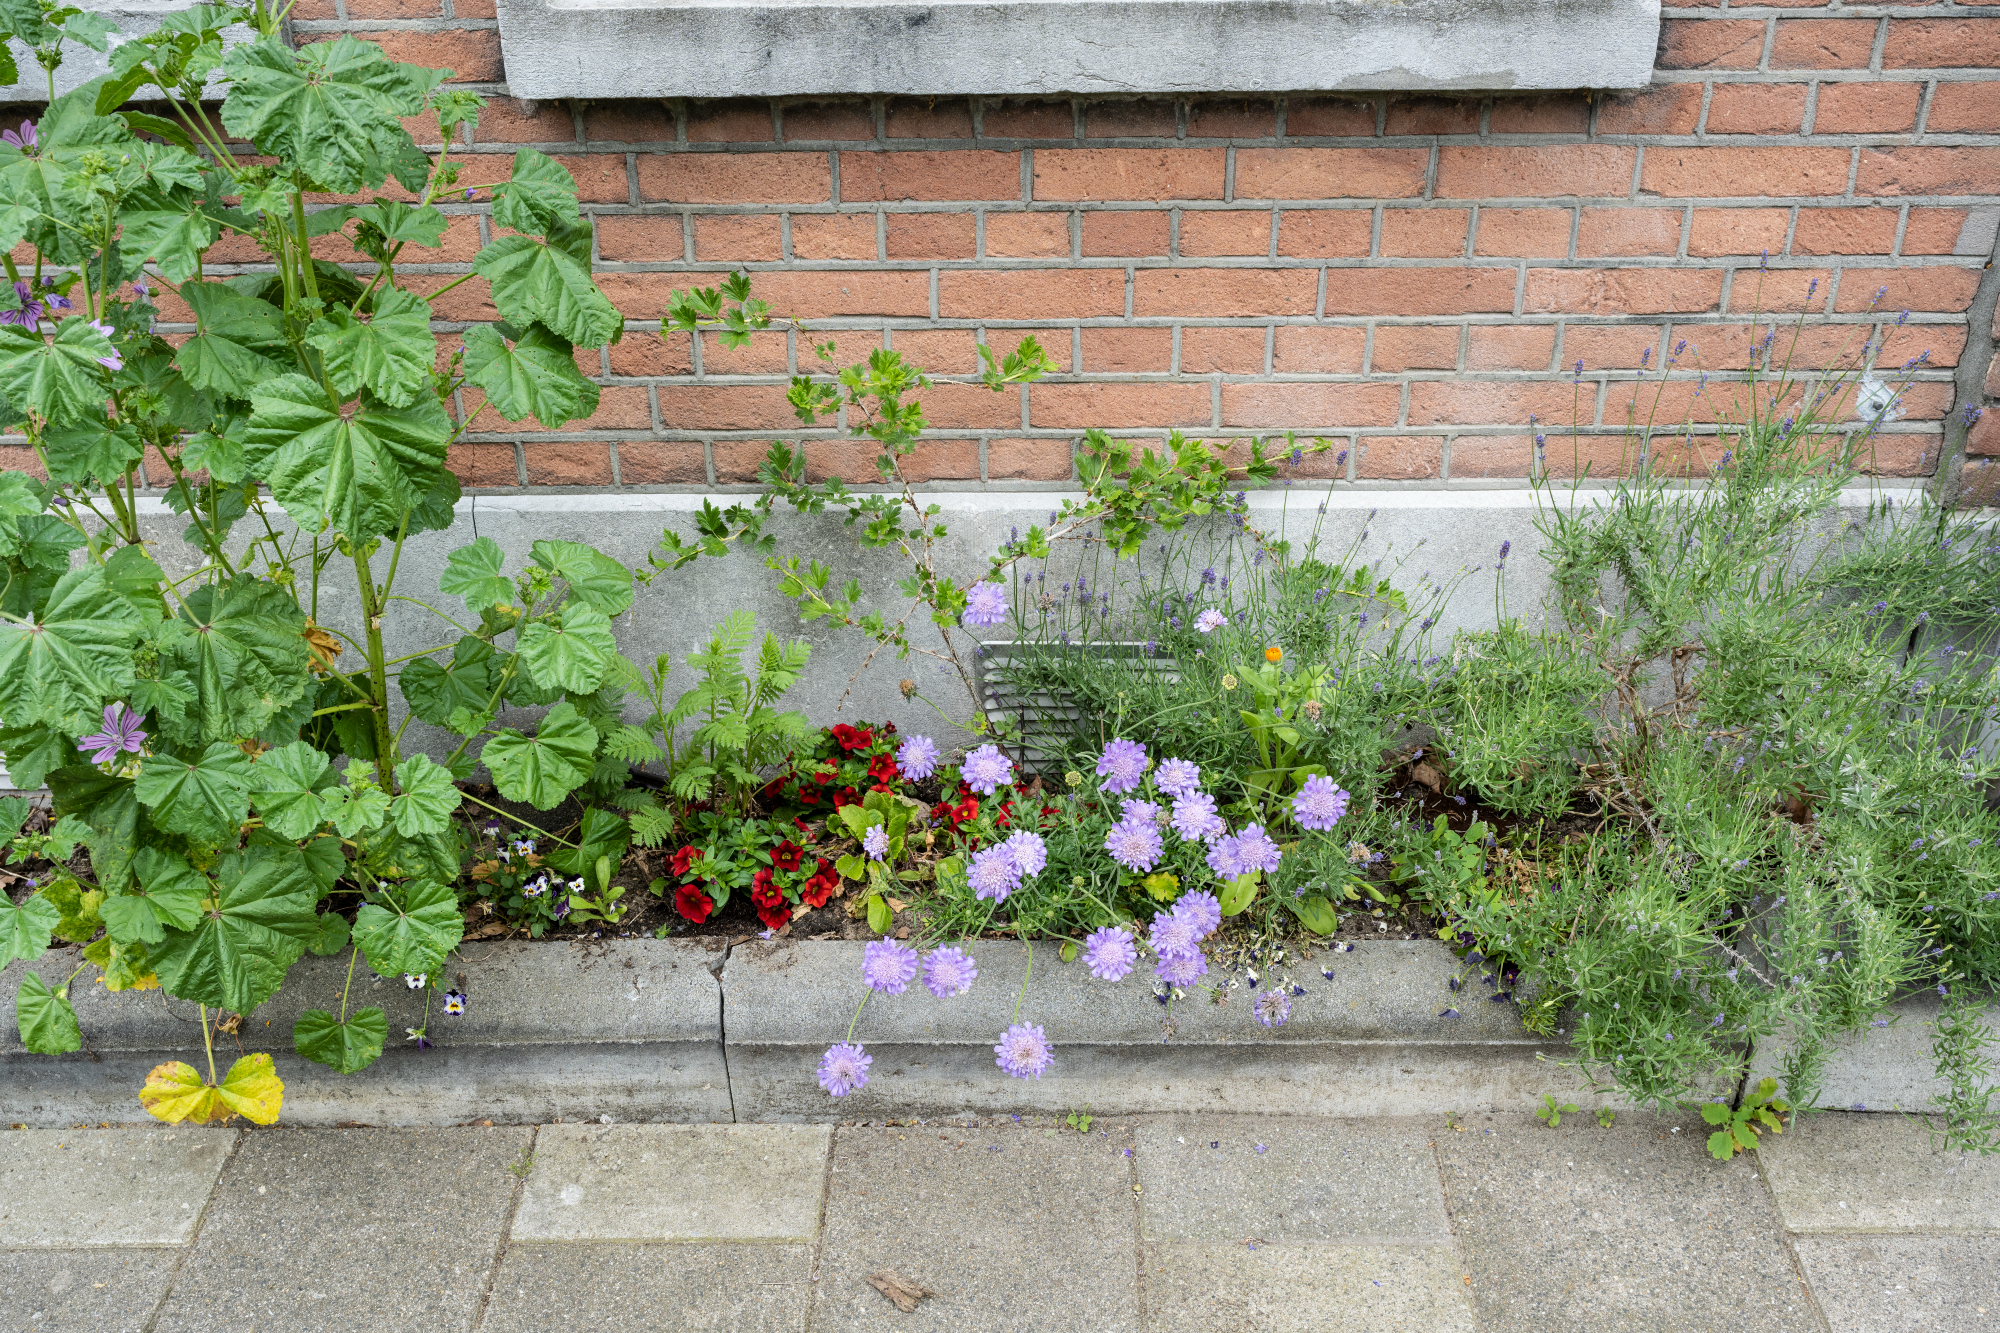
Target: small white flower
(414,980)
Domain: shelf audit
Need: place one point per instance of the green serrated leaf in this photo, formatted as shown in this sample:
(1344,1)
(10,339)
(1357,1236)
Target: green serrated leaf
(536,377)
(171,893)
(286,787)
(207,798)
(427,799)
(538,196)
(410,928)
(543,768)
(356,467)
(25,930)
(94,451)
(434,691)
(388,353)
(173,233)
(473,573)
(237,955)
(70,656)
(572,653)
(346,1047)
(64,380)
(401,223)
(533,282)
(236,340)
(356,809)
(246,658)
(329,108)
(594,579)
(48,1023)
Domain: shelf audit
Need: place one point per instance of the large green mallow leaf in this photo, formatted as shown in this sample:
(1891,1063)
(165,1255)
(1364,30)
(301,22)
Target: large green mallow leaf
(333,109)
(543,768)
(62,662)
(242,646)
(355,467)
(536,377)
(535,282)
(388,352)
(261,923)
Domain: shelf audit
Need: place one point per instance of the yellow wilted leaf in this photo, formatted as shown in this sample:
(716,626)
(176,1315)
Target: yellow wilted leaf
(324,645)
(174,1092)
(253,1089)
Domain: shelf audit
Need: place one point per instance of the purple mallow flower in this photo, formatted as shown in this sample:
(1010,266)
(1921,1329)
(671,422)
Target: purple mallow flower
(1178,777)
(994,873)
(1195,818)
(888,966)
(1272,1008)
(1319,804)
(875,842)
(844,1068)
(1030,853)
(1024,1051)
(121,735)
(949,971)
(1181,969)
(1110,954)
(1134,845)
(114,361)
(30,314)
(917,757)
(1122,765)
(985,604)
(985,769)
(24,140)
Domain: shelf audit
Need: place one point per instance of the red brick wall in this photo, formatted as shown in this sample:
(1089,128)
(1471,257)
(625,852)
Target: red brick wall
(1414,277)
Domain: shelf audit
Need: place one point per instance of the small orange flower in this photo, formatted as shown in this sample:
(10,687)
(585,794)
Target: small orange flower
(1273,654)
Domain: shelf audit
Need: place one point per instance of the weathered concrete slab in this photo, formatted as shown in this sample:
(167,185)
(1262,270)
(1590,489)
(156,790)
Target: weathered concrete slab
(1878,1068)
(1834,1172)
(675,1183)
(1632,1229)
(363,1230)
(1902,1284)
(87,1187)
(83,1291)
(1015,1230)
(1224,1178)
(590,1288)
(1304,1288)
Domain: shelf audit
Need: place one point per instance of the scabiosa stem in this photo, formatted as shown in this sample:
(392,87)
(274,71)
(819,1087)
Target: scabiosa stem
(1026,972)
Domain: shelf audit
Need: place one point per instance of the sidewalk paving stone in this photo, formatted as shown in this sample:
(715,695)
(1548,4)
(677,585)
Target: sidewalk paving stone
(757,1288)
(1304,1289)
(1017,1230)
(675,1182)
(1632,1229)
(1220,1178)
(82,1291)
(1905,1284)
(357,1229)
(1864,1172)
(79,1187)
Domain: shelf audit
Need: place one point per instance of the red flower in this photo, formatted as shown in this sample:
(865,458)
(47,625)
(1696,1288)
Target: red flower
(682,860)
(852,738)
(1005,816)
(785,856)
(777,917)
(692,903)
(800,825)
(882,767)
(820,887)
(770,790)
(763,892)
(824,774)
(889,728)
(882,786)
(846,796)
(808,795)
(964,810)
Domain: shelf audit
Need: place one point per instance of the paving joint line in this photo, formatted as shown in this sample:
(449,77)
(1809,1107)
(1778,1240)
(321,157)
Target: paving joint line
(194,1237)
(506,1233)
(1451,1229)
(1138,1203)
(819,1231)
(1818,1313)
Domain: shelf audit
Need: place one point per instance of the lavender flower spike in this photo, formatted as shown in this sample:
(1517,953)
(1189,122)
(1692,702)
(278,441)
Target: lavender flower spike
(121,735)
(888,966)
(949,971)
(1024,1051)
(1109,953)
(844,1068)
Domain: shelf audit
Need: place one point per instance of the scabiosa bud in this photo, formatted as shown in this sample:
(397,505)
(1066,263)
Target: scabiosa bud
(844,1068)
(993,874)
(888,966)
(985,604)
(1272,1008)
(1178,777)
(875,842)
(949,971)
(985,769)
(1110,953)
(1134,845)
(1024,1051)
(1195,818)
(1209,621)
(1181,969)
(917,757)
(1122,765)
(1319,804)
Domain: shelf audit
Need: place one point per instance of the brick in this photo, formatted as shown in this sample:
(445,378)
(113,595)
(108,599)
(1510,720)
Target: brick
(1904,454)
(1125,233)
(662,463)
(600,177)
(735,178)
(321,10)
(1738,231)
(1619,347)
(479,464)
(1027,120)
(1743,173)
(21,458)
(1129,351)
(1027,235)
(1867,108)
(1622,291)
(1477,403)
(1304,349)
(1425,233)
(932,236)
(829,295)
(1118,406)
(471,54)
(1029,460)
(1569,456)
(471,301)
(850,121)
(1221,293)
(626,122)
(429,134)
(570,463)
(501,121)
(1330,173)
(1628,231)
(474,9)
(1510,346)
(1130,173)
(1964,107)
(1971,43)
(1940,289)
(1233,118)
(766,355)
(736,461)
(1236,351)
(833,235)
(744,120)
(971,407)
(1727,347)
(393,9)
(1325,233)
(1432,115)
(939,351)
(647,354)
(641,239)
(1478,456)
(1844,231)
(735,238)
(1944,342)
(1559,169)
(1933,231)
(1420,291)
(1757,108)
(1230,232)
(941,460)
(1530,233)
(1128,119)
(1711,44)
(1823,44)
(1984,440)
(1672,108)
(1329,117)
(1032,294)
(725,407)
(1906,171)
(968,173)
(929,118)
(1399,457)
(1401,347)
(626,407)
(1559,113)
(1310,406)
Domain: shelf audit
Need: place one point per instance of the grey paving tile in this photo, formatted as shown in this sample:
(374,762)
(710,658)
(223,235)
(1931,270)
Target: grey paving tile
(1905,1284)
(354,1229)
(1304,1289)
(1633,1229)
(1842,1172)
(135,1186)
(1017,1230)
(675,1182)
(718,1288)
(1215,1178)
(82,1291)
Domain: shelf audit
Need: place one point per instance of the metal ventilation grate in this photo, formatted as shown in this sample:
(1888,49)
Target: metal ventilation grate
(1046,720)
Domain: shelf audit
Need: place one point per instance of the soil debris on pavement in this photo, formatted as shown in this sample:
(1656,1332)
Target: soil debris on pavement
(901,1290)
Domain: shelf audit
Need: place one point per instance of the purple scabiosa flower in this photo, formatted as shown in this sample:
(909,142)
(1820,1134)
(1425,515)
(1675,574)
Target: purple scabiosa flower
(1178,777)
(1181,969)
(949,971)
(1224,858)
(1139,812)
(1109,953)
(1209,621)
(121,735)
(1195,818)
(1174,933)
(875,842)
(844,1068)
(1256,851)
(1319,804)
(985,604)
(1030,853)
(1136,846)
(1122,765)
(985,769)
(888,966)
(1024,1051)
(454,1002)
(917,757)
(993,874)
(1272,1008)
(1202,908)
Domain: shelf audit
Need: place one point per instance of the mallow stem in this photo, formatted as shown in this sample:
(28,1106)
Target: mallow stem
(378,674)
